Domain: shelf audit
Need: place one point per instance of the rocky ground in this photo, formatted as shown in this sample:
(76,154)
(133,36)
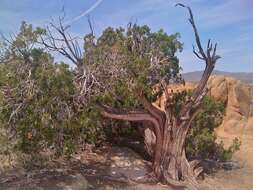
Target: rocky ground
(108,168)
(113,169)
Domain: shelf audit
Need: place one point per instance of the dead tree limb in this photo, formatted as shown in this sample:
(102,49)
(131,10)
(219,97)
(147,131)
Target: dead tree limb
(209,57)
(58,39)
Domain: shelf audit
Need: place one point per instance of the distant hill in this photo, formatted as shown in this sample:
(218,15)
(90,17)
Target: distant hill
(246,77)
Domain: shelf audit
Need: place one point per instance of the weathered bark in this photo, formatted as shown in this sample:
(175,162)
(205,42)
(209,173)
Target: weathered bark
(173,167)
(169,161)
(168,130)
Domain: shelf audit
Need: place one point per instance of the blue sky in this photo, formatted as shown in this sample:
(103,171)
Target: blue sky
(228,22)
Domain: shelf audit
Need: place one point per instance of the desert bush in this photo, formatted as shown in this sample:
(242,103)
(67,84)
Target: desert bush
(49,119)
(36,100)
(201,141)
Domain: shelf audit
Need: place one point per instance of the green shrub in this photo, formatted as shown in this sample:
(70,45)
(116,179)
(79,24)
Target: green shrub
(201,140)
(49,119)
(37,100)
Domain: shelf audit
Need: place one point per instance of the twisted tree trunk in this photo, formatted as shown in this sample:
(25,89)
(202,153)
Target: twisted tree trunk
(170,164)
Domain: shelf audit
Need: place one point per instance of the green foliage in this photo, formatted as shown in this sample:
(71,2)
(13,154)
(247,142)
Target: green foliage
(201,140)
(37,95)
(36,100)
(131,61)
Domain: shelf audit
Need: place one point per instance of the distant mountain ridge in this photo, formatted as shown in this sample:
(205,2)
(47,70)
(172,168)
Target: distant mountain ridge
(195,76)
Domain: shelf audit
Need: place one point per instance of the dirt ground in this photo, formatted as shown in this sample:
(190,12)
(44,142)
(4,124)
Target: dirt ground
(111,169)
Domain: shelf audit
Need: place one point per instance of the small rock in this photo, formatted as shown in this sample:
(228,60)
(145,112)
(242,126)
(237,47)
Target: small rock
(79,183)
(231,165)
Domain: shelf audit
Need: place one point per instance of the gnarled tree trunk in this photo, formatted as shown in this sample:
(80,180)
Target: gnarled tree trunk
(170,164)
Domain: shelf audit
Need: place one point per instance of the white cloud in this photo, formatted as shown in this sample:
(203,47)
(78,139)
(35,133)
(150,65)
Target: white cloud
(86,12)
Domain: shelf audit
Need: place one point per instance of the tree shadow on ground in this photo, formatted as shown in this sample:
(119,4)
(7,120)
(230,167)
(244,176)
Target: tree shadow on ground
(112,168)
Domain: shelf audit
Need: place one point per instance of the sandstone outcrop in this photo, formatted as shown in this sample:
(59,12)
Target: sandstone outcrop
(238,119)
(176,88)
(236,97)
(234,94)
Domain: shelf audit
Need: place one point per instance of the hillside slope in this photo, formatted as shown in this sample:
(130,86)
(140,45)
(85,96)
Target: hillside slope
(246,77)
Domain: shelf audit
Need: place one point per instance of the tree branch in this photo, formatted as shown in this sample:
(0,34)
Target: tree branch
(128,116)
(191,20)
(137,116)
(210,58)
(158,114)
(64,44)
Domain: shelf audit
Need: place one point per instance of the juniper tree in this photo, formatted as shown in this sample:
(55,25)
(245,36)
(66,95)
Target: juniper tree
(124,71)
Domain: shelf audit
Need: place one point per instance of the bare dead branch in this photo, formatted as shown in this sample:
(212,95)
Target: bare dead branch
(197,54)
(62,42)
(210,58)
(90,25)
(134,115)
(191,20)
(206,56)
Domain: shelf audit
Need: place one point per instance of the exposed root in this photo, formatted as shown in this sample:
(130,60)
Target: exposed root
(198,171)
(175,183)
